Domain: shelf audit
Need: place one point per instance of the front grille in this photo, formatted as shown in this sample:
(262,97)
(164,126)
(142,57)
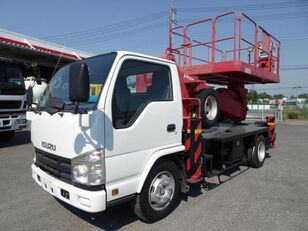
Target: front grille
(10,104)
(56,166)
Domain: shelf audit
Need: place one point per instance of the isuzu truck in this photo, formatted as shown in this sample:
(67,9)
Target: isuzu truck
(125,126)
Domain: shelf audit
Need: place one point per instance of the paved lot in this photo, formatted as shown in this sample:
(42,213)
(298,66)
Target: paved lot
(274,197)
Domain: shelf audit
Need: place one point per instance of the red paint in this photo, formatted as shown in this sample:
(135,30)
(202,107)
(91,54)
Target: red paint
(271,130)
(143,81)
(39,48)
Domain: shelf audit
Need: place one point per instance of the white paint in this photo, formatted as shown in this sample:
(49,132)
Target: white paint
(90,201)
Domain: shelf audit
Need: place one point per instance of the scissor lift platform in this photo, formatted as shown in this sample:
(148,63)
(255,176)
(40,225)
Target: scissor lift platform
(219,59)
(221,72)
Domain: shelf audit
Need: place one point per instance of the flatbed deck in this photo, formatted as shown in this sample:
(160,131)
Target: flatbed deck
(228,131)
(228,145)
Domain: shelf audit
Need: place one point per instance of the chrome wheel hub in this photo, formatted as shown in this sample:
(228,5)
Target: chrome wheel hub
(261,151)
(210,107)
(161,190)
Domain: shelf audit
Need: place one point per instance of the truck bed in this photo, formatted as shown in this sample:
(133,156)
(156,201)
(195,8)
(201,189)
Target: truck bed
(229,131)
(227,145)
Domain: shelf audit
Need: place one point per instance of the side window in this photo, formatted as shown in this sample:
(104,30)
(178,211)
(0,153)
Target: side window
(138,84)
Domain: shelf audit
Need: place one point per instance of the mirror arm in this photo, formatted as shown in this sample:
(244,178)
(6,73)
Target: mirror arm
(76,107)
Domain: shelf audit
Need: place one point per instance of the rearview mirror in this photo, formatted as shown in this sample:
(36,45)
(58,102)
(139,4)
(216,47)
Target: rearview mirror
(29,96)
(79,82)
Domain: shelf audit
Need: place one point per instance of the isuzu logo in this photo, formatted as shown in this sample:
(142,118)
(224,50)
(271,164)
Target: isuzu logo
(49,146)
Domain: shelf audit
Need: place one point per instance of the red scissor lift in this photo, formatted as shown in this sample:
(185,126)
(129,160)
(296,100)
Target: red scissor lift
(232,51)
(248,54)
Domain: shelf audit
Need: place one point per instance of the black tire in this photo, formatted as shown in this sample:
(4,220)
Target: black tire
(206,96)
(142,206)
(7,136)
(258,153)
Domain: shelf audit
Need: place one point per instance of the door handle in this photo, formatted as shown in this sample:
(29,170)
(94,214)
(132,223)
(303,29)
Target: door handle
(171,128)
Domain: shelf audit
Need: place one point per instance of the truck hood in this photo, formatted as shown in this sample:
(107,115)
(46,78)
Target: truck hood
(62,134)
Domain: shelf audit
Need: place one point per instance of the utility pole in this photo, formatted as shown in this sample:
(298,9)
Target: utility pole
(172,14)
(297,93)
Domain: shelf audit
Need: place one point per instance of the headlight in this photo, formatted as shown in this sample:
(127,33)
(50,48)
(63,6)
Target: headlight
(20,121)
(88,168)
(34,156)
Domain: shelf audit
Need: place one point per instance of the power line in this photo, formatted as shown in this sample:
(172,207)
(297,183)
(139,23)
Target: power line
(119,35)
(107,28)
(269,17)
(259,6)
(294,68)
(281,88)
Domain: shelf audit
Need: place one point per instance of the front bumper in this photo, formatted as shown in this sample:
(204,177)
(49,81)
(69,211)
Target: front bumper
(90,201)
(13,122)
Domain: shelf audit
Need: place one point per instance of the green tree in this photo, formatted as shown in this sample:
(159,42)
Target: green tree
(264,95)
(305,96)
(252,96)
(278,96)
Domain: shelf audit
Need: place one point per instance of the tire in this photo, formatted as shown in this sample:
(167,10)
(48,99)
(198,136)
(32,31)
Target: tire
(209,107)
(160,177)
(258,153)
(7,136)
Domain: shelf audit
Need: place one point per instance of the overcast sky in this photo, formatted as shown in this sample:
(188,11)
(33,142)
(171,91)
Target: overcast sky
(98,26)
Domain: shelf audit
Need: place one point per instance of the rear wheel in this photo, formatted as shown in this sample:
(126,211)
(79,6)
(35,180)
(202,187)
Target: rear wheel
(209,107)
(258,153)
(6,136)
(160,193)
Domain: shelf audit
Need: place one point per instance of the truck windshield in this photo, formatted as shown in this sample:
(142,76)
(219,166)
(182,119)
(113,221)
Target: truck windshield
(11,79)
(98,67)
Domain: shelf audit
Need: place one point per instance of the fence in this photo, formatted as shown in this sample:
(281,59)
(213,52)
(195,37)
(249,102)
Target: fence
(260,112)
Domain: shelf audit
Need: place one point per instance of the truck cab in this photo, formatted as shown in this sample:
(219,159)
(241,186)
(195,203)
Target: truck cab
(12,99)
(96,149)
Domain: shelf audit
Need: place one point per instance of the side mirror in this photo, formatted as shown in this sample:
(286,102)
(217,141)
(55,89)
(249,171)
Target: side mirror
(38,81)
(79,82)
(29,96)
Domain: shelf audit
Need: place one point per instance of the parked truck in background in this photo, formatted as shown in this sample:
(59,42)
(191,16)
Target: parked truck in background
(22,60)
(12,100)
(124,126)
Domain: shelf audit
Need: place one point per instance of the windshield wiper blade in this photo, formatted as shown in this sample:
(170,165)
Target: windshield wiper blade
(53,105)
(69,105)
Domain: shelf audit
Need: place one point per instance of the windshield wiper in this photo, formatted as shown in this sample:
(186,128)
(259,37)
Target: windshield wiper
(53,105)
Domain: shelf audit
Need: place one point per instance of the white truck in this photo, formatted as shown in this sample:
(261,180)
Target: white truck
(100,141)
(12,100)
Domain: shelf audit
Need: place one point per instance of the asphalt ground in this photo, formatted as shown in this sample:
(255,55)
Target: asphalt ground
(274,197)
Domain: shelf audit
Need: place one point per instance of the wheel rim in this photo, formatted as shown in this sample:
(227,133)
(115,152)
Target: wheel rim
(161,190)
(210,107)
(261,151)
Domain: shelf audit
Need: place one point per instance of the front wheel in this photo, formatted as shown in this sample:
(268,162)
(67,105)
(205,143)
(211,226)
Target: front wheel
(160,193)
(209,107)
